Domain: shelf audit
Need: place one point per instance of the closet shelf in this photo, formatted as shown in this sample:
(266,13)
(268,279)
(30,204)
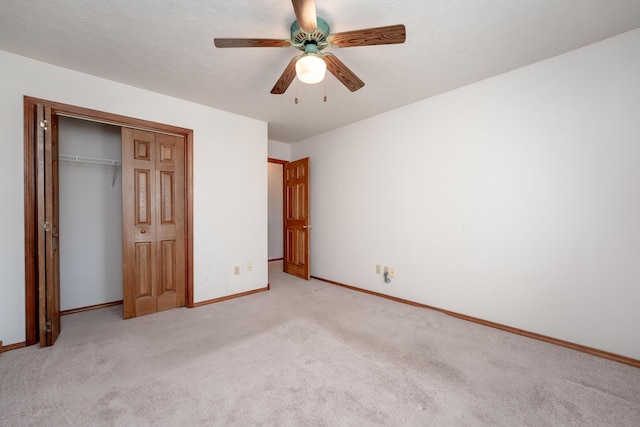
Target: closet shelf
(82,159)
(92,160)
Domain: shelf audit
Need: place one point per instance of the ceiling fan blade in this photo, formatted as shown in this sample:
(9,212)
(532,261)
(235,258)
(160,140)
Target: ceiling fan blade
(342,72)
(392,34)
(305,11)
(251,42)
(286,78)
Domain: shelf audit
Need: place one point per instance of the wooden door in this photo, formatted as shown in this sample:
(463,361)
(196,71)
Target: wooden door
(153,191)
(296,218)
(46,131)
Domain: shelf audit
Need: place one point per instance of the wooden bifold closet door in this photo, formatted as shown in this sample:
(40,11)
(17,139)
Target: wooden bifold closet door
(153,232)
(46,134)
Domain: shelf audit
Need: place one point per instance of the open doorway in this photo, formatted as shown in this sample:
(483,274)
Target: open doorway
(275,170)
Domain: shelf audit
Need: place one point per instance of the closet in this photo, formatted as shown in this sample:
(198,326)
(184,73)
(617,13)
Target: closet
(90,213)
(108,215)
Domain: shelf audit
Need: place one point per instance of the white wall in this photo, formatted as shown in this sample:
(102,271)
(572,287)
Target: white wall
(230,215)
(90,215)
(276,220)
(515,200)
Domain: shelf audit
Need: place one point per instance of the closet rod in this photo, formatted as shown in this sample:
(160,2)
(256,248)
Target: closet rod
(93,160)
(82,159)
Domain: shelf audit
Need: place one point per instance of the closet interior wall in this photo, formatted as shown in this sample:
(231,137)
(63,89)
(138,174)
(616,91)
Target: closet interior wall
(90,214)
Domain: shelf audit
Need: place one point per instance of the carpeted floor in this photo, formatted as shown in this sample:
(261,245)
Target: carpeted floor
(307,353)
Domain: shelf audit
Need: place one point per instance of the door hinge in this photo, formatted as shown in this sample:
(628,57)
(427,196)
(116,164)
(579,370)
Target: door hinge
(46,226)
(43,124)
(47,326)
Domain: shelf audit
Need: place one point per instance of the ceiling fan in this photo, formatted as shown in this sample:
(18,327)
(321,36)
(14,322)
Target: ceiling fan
(311,35)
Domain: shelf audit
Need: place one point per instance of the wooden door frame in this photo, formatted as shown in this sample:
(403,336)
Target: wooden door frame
(31,206)
(281,162)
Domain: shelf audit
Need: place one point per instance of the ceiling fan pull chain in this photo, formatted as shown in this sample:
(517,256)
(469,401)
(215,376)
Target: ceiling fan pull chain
(296,93)
(325,90)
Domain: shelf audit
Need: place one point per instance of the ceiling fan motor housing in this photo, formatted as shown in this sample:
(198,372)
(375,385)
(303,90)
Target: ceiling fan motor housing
(318,37)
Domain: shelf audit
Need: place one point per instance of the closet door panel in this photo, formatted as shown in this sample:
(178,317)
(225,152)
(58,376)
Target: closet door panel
(167,197)
(142,147)
(144,290)
(170,227)
(167,293)
(139,273)
(142,196)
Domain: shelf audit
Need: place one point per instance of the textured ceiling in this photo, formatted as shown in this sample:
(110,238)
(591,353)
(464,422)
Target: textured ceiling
(167,47)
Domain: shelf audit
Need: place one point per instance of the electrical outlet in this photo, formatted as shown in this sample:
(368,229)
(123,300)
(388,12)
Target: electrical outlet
(386,269)
(392,272)
(378,269)
(249,267)
(236,270)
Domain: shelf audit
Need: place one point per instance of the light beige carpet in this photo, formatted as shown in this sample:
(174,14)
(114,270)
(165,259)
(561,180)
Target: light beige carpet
(307,353)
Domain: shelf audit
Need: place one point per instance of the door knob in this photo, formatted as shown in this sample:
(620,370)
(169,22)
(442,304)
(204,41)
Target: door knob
(306,226)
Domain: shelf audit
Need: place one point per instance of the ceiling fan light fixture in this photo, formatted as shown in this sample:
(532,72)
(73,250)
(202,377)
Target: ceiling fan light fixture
(311,69)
